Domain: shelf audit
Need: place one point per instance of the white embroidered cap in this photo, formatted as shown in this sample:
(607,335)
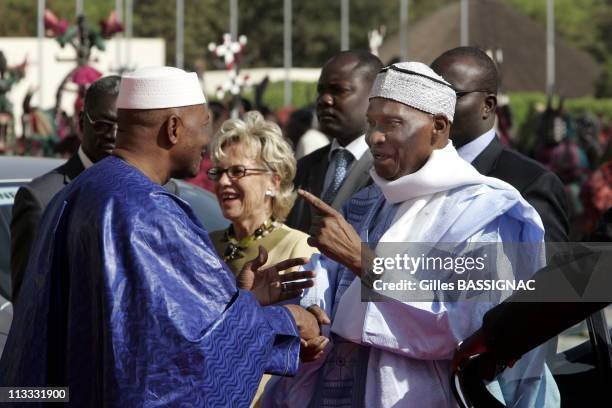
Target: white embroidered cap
(416,85)
(158,88)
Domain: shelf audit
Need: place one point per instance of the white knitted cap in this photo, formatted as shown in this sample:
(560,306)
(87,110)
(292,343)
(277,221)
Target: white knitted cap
(159,87)
(416,85)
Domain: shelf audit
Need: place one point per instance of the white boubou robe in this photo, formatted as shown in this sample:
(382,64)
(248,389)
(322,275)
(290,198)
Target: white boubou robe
(412,343)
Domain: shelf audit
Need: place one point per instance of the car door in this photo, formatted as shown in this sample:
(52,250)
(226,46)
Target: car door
(582,366)
(8,189)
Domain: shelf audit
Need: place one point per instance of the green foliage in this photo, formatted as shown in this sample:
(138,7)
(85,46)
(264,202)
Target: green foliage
(584,23)
(19,16)
(523,102)
(316,34)
(527,105)
(316,25)
(601,107)
(303,94)
(573,18)
(604,84)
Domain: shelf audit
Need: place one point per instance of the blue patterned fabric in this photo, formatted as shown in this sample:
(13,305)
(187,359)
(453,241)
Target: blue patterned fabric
(126,302)
(342,160)
(342,379)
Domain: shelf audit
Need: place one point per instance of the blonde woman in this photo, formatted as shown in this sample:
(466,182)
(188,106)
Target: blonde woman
(253,171)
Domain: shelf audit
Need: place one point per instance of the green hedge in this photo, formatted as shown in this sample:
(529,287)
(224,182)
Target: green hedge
(521,102)
(523,105)
(304,93)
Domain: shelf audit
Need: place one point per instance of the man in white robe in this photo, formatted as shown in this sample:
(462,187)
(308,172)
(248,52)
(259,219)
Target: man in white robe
(397,353)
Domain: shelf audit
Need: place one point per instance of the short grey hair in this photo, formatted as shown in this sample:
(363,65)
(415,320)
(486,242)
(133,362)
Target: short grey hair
(266,139)
(103,87)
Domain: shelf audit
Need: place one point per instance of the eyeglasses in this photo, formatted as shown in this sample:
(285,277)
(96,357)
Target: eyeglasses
(233,172)
(461,94)
(101,125)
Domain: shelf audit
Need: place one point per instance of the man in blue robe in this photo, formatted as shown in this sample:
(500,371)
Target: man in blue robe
(126,302)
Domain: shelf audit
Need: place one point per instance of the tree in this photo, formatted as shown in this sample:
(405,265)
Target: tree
(316,30)
(18,17)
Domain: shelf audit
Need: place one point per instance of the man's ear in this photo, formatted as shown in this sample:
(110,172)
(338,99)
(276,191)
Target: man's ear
(210,118)
(489,106)
(174,129)
(440,131)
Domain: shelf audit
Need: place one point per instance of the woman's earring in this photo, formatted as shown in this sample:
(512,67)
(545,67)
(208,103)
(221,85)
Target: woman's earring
(269,193)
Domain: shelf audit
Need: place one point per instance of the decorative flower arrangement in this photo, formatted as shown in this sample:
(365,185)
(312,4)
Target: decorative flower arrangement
(230,52)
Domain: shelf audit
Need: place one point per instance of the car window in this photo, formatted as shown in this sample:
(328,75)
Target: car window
(204,205)
(578,368)
(573,337)
(579,333)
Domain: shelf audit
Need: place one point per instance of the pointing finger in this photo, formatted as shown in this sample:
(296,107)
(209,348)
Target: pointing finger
(317,203)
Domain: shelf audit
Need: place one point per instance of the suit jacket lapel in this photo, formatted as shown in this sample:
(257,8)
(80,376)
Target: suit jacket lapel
(72,168)
(357,179)
(316,177)
(486,161)
(310,178)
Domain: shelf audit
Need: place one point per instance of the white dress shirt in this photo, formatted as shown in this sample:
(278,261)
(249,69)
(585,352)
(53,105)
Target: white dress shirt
(87,163)
(470,151)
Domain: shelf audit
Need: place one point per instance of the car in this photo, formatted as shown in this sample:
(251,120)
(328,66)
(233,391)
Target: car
(17,171)
(581,368)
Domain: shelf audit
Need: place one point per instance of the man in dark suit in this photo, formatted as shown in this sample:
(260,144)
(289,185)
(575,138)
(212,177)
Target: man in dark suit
(475,79)
(98,123)
(338,170)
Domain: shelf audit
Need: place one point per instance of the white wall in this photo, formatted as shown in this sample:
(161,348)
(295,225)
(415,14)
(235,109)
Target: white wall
(136,53)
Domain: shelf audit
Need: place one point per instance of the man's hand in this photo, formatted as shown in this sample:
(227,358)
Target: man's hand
(268,285)
(476,345)
(306,322)
(332,235)
(473,345)
(313,349)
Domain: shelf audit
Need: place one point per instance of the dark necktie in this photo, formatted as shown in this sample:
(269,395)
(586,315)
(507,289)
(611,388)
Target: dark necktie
(342,159)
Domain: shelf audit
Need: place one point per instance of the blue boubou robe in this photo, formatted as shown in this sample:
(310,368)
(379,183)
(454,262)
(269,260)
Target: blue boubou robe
(126,302)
